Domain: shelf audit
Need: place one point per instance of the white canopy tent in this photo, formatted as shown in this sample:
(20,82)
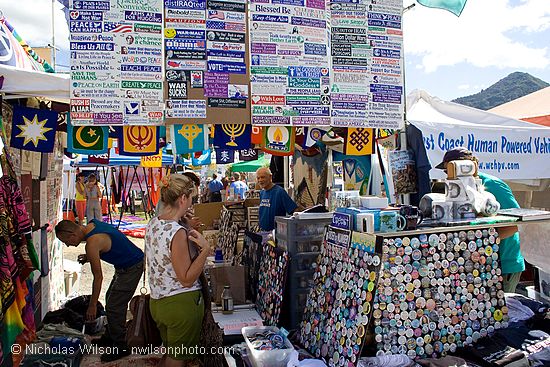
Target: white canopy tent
(507,148)
(21,83)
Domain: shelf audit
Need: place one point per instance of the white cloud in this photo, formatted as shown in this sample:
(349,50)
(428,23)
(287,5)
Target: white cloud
(487,34)
(32,19)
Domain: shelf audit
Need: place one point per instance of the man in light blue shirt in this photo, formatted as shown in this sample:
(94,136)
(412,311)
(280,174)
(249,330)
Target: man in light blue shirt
(238,187)
(274,200)
(215,187)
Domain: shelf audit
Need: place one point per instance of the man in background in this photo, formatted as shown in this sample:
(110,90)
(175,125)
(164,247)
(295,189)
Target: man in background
(238,187)
(215,187)
(511,260)
(274,200)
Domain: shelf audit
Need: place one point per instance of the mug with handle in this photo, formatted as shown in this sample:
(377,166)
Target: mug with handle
(412,215)
(391,221)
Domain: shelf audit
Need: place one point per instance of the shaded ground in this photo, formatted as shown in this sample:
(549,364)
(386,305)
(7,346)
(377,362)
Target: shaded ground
(86,277)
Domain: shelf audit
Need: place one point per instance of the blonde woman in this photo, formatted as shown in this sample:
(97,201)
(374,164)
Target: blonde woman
(175,260)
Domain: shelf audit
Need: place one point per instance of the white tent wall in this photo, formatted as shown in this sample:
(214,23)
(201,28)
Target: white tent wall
(513,150)
(19,83)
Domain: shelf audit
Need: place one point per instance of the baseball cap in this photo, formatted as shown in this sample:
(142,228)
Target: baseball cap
(454,154)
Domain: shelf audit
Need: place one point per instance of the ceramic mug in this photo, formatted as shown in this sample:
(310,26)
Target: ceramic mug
(442,211)
(412,215)
(391,221)
(365,222)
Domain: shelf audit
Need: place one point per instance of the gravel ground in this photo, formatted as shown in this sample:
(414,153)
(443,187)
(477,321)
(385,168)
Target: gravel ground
(86,276)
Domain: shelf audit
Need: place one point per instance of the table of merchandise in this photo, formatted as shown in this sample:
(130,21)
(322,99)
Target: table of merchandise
(438,289)
(422,293)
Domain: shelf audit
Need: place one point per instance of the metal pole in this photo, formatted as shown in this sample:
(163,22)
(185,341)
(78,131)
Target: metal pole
(53,35)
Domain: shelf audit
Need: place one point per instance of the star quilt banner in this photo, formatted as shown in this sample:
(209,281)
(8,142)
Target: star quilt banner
(87,139)
(33,129)
(247,155)
(139,140)
(359,141)
(188,138)
(278,140)
(99,158)
(225,156)
(232,136)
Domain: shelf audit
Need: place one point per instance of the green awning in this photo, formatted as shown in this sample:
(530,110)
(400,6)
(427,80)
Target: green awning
(250,166)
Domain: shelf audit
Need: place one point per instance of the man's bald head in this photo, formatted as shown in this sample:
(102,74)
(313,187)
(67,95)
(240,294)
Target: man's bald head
(264,178)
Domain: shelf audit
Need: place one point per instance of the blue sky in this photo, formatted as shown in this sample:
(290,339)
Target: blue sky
(445,55)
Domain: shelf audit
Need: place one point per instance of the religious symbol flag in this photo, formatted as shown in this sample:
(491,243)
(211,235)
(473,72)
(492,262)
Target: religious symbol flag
(188,138)
(225,156)
(232,136)
(87,139)
(139,140)
(246,155)
(33,129)
(359,141)
(256,137)
(278,140)
(454,6)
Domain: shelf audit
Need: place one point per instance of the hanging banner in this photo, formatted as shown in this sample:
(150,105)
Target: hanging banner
(153,161)
(359,141)
(87,139)
(278,140)
(247,155)
(285,36)
(33,129)
(509,154)
(139,141)
(116,62)
(188,138)
(99,158)
(232,136)
(225,156)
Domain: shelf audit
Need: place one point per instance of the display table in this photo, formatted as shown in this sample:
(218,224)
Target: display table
(422,293)
(439,288)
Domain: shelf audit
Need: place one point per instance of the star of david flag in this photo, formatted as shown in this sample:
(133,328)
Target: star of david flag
(33,129)
(188,138)
(87,139)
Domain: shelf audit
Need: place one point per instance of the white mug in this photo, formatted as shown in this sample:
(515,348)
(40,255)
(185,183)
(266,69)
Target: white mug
(365,222)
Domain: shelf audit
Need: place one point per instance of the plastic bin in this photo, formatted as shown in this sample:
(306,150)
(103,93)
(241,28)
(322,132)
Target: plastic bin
(267,358)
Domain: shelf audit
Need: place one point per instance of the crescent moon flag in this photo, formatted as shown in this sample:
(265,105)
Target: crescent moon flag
(33,129)
(87,139)
(139,140)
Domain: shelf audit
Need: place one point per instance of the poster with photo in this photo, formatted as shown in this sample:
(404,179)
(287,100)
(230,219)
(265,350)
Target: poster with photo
(289,62)
(116,62)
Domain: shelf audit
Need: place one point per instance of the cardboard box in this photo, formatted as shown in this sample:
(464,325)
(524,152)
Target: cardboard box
(235,277)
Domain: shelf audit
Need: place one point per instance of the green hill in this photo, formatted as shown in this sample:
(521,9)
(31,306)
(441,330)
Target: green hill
(505,90)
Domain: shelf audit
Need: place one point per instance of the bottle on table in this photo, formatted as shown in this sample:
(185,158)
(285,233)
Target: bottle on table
(227,300)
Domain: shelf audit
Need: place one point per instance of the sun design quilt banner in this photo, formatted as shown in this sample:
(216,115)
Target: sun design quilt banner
(87,139)
(139,140)
(188,138)
(33,129)
(278,140)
